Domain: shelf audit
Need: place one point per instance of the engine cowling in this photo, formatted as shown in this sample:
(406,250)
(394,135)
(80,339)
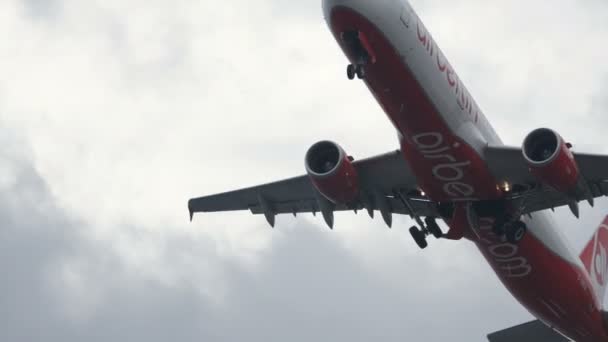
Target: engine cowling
(332,172)
(551,160)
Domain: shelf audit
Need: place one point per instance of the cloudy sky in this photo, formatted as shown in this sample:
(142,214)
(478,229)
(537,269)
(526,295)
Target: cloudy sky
(113,113)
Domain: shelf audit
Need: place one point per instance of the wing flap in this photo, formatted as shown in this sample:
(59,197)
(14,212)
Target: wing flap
(421,206)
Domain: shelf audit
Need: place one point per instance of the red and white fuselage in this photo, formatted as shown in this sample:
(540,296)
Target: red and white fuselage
(443,133)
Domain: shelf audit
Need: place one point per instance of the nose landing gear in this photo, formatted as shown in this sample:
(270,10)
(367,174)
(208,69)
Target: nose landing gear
(359,48)
(353,70)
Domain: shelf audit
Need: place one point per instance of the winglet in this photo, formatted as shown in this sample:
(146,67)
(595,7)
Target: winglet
(191,214)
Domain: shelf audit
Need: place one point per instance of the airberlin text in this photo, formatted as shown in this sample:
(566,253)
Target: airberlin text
(463,98)
(447,168)
(505,255)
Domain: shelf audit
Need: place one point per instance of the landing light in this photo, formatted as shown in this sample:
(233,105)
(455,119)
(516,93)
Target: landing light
(506,187)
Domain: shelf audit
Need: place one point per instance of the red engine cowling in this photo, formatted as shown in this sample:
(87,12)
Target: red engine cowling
(332,172)
(551,160)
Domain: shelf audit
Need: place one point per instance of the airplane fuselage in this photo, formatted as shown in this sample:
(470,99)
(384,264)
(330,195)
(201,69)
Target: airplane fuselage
(443,133)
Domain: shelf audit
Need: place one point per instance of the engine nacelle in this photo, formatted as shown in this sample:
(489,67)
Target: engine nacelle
(551,160)
(332,172)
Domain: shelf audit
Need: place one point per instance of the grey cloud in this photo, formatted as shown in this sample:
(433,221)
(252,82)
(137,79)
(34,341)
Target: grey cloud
(308,286)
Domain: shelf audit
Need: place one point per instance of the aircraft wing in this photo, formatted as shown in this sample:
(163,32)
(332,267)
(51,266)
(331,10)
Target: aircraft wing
(534,331)
(379,178)
(508,164)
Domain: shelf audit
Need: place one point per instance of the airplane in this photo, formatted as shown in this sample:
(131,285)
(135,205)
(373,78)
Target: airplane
(452,166)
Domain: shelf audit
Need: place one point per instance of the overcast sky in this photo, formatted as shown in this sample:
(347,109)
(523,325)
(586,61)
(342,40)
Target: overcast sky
(113,113)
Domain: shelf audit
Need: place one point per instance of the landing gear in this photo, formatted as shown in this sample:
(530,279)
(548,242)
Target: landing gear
(419,236)
(427,227)
(355,69)
(514,231)
(360,70)
(353,41)
(433,227)
(351,71)
(498,226)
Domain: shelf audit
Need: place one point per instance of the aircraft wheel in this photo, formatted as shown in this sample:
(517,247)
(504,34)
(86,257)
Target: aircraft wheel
(351,71)
(360,70)
(515,232)
(433,227)
(419,237)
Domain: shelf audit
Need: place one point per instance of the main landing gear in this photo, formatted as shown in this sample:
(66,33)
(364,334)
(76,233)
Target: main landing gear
(427,227)
(356,48)
(513,230)
(507,222)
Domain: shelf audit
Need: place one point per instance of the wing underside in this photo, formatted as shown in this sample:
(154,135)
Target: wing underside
(509,165)
(387,185)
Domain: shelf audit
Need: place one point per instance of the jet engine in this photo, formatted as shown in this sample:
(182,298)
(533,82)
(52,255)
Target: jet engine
(332,172)
(551,160)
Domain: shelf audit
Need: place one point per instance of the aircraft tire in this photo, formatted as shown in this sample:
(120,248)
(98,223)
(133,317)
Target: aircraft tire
(433,227)
(350,71)
(419,237)
(360,70)
(515,232)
